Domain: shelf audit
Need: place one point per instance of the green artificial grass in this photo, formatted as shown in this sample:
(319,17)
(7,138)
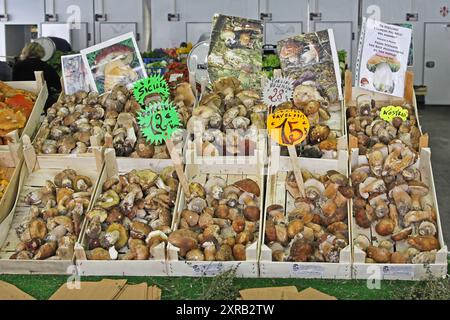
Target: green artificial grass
(174,288)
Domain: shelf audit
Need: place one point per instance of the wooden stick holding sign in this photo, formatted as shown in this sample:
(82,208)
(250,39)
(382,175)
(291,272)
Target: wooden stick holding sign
(286,127)
(289,127)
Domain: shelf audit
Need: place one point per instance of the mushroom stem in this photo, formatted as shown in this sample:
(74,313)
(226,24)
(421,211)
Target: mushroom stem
(416,202)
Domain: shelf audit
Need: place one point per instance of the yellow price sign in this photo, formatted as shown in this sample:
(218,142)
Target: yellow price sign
(388,113)
(288,127)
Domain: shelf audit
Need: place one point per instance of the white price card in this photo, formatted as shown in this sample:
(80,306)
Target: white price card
(277,91)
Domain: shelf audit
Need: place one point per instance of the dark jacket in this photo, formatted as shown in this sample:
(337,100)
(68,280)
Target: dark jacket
(5,71)
(24,71)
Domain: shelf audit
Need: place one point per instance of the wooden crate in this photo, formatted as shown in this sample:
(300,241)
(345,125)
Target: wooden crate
(192,155)
(39,87)
(276,194)
(248,268)
(362,270)
(154,267)
(9,197)
(351,94)
(33,175)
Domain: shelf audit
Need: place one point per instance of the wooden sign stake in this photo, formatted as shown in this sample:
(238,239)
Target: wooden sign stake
(178,167)
(297,170)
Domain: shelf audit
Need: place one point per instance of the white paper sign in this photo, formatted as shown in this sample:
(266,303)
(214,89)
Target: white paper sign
(277,91)
(384,57)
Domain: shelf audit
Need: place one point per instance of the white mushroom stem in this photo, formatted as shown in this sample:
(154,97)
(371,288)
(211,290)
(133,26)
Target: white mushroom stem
(131,135)
(393,214)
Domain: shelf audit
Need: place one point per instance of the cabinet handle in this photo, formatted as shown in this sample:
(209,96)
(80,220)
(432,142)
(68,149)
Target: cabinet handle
(315,16)
(100,17)
(266,16)
(173,17)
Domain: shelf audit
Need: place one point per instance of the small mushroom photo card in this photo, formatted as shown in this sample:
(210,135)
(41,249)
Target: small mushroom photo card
(116,61)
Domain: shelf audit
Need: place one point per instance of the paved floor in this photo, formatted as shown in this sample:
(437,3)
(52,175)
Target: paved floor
(436,121)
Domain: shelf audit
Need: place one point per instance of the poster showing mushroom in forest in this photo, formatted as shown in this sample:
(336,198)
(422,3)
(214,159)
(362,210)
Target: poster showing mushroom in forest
(116,61)
(311,59)
(236,50)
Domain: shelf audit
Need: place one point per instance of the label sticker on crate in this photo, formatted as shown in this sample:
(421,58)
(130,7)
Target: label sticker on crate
(211,269)
(307,271)
(398,271)
(388,113)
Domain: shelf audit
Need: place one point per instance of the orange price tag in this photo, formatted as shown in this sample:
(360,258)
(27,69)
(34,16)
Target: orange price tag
(288,127)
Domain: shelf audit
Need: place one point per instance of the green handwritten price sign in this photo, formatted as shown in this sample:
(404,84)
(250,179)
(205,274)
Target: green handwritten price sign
(288,127)
(158,121)
(388,113)
(155,84)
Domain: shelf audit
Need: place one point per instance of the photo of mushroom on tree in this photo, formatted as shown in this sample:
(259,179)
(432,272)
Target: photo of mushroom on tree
(134,177)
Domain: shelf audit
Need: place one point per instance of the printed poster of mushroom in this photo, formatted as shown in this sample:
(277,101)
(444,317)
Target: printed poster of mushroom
(75,74)
(384,57)
(116,61)
(311,59)
(236,50)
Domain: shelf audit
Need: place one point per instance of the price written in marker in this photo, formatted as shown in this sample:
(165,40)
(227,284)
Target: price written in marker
(388,113)
(278,91)
(288,127)
(155,84)
(158,121)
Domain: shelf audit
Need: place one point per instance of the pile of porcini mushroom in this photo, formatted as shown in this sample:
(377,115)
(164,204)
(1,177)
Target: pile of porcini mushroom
(316,230)
(132,215)
(321,141)
(227,120)
(56,214)
(365,124)
(219,222)
(391,201)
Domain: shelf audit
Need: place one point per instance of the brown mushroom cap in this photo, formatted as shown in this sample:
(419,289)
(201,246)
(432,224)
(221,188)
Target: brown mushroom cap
(226,82)
(248,185)
(212,97)
(248,94)
(418,188)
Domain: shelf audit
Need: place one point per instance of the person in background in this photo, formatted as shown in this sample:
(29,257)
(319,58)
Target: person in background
(5,71)
(31,61)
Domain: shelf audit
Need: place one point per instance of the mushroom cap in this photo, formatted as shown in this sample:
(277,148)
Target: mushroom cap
(364,184)
(418,188)
(248,94)
(248,185)
(373,62)
(211,97)
(375,197)
(225,83)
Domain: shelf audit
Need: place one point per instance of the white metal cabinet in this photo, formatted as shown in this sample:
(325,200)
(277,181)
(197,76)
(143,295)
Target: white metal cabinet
(16,23)
(283,18)
(402,11)
(79,14)
(24,12)
(342,17)
(436,65)
(192,18)
(117,17)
